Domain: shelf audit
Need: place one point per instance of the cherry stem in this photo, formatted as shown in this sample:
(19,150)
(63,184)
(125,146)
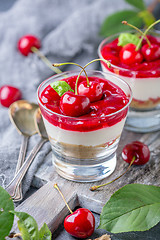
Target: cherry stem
(45,60)
(102,185)
(138,30)
(140,41)
(83,70)
(95,60)
(56,187)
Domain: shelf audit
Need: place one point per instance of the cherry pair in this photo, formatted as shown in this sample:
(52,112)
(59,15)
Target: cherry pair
(79,104)
(129,55)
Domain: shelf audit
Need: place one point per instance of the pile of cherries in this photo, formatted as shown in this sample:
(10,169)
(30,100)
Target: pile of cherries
(77,105)
(127,56)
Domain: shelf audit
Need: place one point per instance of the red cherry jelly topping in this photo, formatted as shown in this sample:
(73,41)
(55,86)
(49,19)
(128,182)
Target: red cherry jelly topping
(148,62)
(26,42)
(138,150)
(8,95)
(94,118)
(80,223)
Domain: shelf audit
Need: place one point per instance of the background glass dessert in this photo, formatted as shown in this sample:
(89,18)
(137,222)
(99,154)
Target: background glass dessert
(144,79)
(84,147)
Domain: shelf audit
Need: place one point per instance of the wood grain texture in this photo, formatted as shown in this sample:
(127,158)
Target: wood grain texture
(46,205)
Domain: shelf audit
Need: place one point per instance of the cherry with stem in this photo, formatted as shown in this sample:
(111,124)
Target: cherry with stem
(31,44)
(136,153)
(72,63)
(80,223)
(83,70)
(74,104)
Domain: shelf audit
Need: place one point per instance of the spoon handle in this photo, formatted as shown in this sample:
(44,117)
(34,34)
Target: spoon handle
(21,158)
(12,186)
(22,152)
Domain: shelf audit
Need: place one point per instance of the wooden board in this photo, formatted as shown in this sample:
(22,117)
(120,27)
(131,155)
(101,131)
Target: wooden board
(46,205)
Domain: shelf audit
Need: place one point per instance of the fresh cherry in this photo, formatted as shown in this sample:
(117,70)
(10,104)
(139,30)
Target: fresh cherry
(129,55)
(26,42)
(74,105)
(80,223)
(8,95)
(138,150)
(135,153)
(93,92)
(151,53)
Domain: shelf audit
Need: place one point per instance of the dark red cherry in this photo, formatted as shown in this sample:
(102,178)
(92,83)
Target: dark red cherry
(9,94)
(138,150)
(80,223)
(26,42)
(74,105)
(93,92)
(151,53)
(129,55)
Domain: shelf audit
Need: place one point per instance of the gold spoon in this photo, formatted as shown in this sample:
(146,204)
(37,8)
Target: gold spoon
(21,115)
(16,181)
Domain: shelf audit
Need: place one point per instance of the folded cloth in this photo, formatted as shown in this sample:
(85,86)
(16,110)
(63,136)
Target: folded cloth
(69,32)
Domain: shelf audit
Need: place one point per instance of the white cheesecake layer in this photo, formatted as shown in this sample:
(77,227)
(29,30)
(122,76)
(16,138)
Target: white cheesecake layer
(143,88)
(92,138)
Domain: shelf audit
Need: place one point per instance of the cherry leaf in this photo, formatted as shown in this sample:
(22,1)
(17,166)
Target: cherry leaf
(6,218)
(113,23)
(44,233)
(125,38)
(27,226)
(61,87)
(137,3)
(134,207)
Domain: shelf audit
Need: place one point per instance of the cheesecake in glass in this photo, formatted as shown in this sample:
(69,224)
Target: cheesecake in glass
(84,147)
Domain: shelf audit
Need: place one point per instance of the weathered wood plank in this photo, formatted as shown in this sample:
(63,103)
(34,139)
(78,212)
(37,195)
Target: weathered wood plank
(46,205)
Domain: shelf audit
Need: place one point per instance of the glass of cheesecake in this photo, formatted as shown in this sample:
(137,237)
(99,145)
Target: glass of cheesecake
(143,77)
(84,144)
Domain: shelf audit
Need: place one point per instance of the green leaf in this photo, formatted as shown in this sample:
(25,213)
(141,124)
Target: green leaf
(6,218)
(61,87)
(27,226)
(135,207)
(125,38)
(113,23)
(137,3)
(147,17)
(44,233)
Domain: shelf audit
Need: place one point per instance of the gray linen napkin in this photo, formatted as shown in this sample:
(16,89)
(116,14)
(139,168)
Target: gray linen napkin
(69,32)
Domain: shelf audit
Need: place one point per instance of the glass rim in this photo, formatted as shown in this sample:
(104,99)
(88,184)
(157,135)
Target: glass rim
(115,66)
(85,118)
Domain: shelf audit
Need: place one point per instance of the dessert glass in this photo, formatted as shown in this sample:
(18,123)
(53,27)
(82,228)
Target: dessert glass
(144,111)
(84,149)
